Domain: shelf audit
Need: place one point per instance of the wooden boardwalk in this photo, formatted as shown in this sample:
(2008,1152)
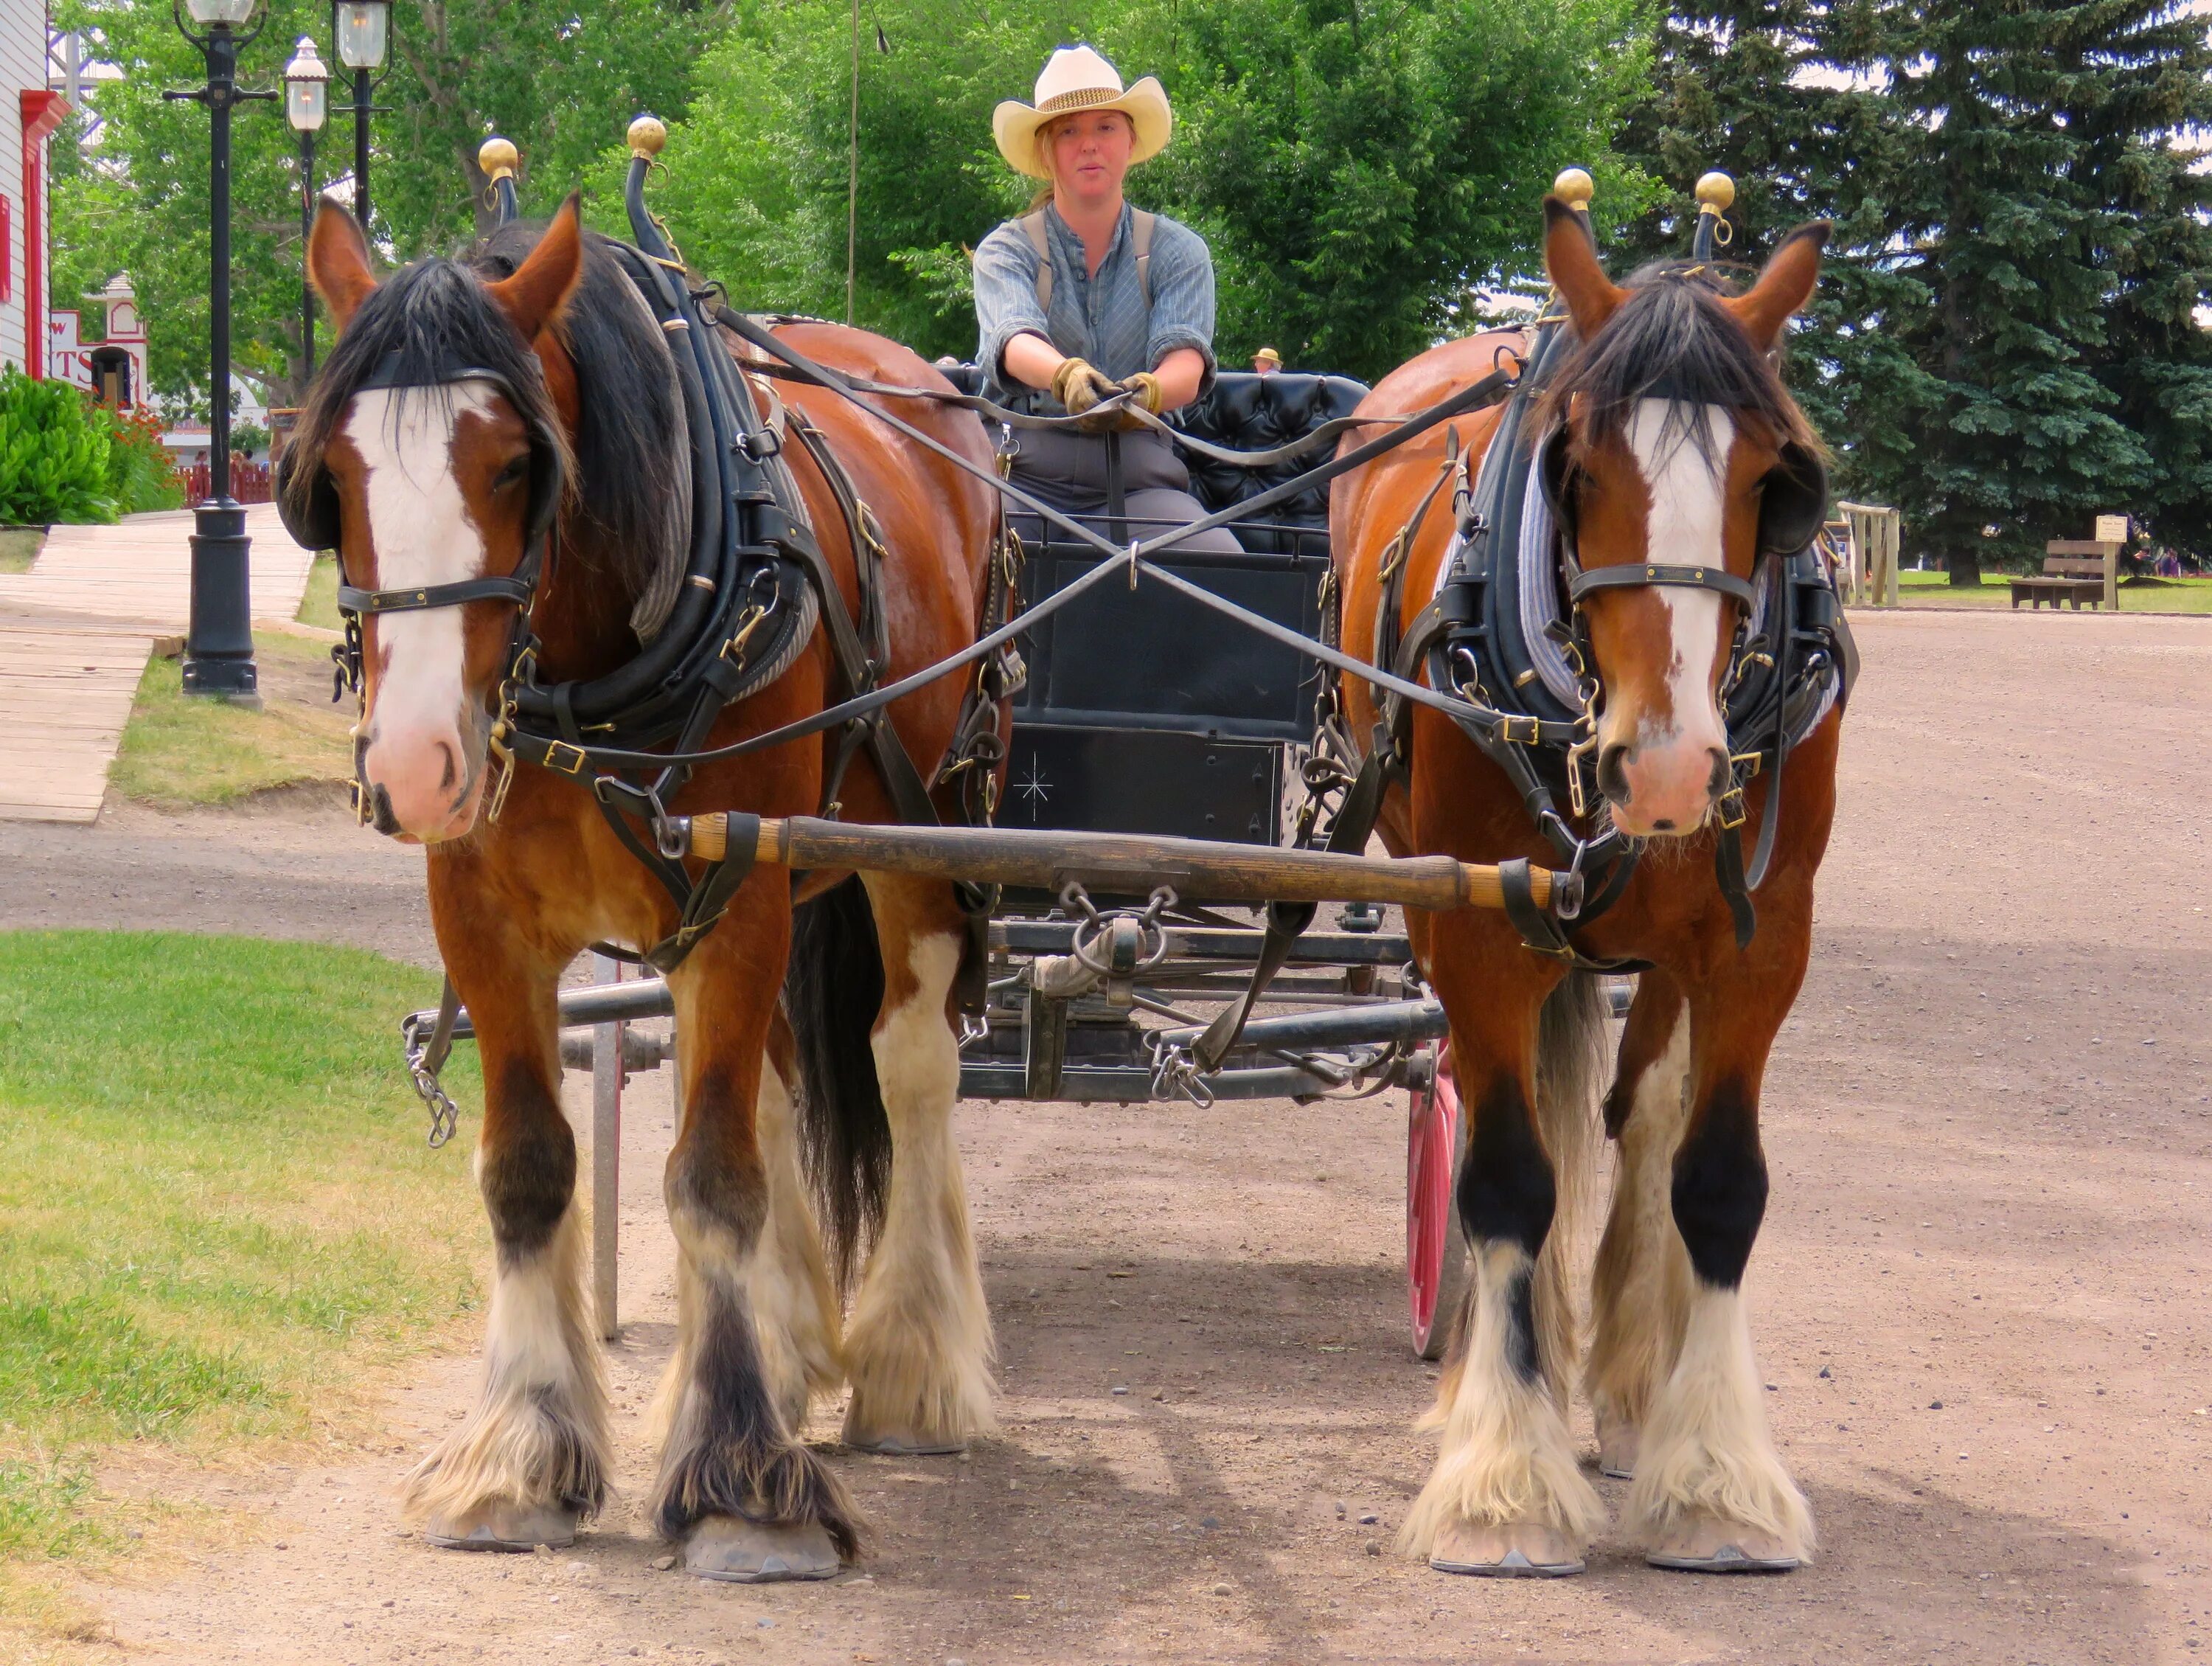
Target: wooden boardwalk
(74,633)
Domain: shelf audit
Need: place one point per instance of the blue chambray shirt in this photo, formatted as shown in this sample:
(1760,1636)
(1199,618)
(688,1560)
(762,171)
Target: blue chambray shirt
(1103,319)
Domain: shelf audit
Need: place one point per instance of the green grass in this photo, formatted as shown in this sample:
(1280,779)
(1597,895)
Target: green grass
(20,547)
(318,603)
(177,752)
(1918,589)
(220,1207)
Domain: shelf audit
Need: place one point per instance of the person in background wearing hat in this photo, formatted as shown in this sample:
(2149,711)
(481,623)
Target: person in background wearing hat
(1267,361)
(1085,298)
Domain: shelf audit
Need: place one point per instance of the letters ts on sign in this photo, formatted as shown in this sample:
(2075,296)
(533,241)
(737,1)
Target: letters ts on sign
(2111,529)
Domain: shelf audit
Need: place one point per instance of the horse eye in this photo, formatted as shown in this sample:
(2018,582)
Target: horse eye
(517,469)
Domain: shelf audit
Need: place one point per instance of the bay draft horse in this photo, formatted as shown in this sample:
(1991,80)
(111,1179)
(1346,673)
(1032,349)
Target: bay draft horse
(433,484)
(1671,1378)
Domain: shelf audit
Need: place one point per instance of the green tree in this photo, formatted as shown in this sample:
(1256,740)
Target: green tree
(2027,442)
(2137,95)
(756,194)
(1363,171)
(559,82)
(1790,101)
(1358,177)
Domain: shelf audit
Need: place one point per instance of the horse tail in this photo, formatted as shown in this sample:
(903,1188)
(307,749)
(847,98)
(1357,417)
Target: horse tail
(833,988)
(1572,1068)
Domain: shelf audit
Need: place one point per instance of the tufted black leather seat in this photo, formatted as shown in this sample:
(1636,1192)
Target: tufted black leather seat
(1245,412)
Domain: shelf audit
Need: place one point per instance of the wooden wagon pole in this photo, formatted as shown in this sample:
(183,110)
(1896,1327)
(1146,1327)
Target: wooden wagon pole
(1129,863)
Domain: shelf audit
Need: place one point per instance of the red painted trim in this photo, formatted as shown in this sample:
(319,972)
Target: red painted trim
(42,112)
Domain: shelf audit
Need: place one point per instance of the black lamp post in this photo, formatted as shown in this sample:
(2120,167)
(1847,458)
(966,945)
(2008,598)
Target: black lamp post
(307,103)
(219,643)
(363,29)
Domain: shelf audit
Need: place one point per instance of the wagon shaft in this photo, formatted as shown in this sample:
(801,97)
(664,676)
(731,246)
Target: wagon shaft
(1198,869)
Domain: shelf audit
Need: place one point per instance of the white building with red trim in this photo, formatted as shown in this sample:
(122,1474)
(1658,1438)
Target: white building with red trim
(29,112)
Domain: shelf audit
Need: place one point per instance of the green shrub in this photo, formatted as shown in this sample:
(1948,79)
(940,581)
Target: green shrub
(53,454)
(142,475)
(247,438)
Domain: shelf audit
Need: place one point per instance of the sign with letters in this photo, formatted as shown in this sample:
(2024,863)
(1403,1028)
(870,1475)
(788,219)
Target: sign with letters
(2111,529)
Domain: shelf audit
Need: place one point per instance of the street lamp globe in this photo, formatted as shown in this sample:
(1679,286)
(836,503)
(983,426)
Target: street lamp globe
(364,32)
(307,88)
(220,14)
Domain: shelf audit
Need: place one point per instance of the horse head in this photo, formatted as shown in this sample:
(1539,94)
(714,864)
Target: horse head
(1675,460)
(433,457)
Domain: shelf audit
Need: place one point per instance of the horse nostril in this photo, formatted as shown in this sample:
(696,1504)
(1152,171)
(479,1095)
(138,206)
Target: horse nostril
(452,756)
(1719,783)
(1613,772)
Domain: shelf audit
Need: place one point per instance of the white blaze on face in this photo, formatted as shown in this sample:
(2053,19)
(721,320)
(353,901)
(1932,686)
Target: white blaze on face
(1688,496)
(421,531)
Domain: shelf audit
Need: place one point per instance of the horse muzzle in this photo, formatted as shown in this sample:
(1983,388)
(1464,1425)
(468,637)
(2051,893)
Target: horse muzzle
(1664,791)
(419,786)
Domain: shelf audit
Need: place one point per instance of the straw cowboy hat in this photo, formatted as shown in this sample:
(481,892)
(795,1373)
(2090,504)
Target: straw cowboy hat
(1077,78)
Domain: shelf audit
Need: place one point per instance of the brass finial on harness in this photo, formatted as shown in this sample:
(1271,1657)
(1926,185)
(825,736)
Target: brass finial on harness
(498,158)
(1575,188)
(648,135)
(1715,191)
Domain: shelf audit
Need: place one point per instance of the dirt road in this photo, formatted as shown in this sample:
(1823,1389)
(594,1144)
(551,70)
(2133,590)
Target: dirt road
(1977,1297)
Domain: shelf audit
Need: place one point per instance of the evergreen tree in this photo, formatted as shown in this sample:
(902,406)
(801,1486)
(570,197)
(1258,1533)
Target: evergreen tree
(2025,442)
(1787,99)
(2137,97)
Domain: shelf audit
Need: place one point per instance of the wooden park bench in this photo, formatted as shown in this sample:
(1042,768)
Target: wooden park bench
(2074,571)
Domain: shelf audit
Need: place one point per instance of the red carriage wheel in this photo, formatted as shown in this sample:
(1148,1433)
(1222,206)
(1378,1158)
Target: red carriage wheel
(1435,1251)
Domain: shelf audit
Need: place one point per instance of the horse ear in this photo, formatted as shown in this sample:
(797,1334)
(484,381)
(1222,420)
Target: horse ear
(542,284)
(1571,258)
(337,262)
(1785,285)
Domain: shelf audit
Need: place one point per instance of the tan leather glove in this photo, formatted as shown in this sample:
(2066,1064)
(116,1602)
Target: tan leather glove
(1146,386)
(1078,385)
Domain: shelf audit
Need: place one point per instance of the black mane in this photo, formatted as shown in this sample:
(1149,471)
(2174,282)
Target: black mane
(627,473)
(1672,338)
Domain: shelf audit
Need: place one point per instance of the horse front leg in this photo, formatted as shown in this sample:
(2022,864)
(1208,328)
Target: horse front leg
(919,1349)
(529,1462)
(1506,1496)
(1712,1494)
(746,1500)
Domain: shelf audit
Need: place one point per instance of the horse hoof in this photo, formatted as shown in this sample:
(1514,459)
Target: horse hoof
(503,1525)
(1517,1550)
(905,1446)
(759,1552)
(1704,1544)
(1617,1444)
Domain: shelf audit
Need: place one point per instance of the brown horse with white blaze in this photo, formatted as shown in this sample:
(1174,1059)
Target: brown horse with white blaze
(1670,425)
(468,400)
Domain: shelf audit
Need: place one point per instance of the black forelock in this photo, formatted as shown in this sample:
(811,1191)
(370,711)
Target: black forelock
(624,470)
(1672,338)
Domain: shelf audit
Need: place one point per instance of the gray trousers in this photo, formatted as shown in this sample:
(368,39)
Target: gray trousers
(1068,471)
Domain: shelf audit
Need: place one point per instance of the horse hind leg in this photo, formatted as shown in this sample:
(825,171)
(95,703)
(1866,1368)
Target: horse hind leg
(918,1349)
(793,1302)
(1640,1286)
(529,1461)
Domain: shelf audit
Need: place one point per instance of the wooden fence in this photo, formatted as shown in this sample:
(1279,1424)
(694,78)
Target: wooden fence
(1868,573)
(249,481)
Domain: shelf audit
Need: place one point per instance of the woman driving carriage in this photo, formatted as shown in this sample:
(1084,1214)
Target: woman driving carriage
(1085,298)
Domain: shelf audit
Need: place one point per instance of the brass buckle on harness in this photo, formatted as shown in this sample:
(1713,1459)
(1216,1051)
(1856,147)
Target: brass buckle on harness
(568,760)
(1732,814)
(1519,730)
